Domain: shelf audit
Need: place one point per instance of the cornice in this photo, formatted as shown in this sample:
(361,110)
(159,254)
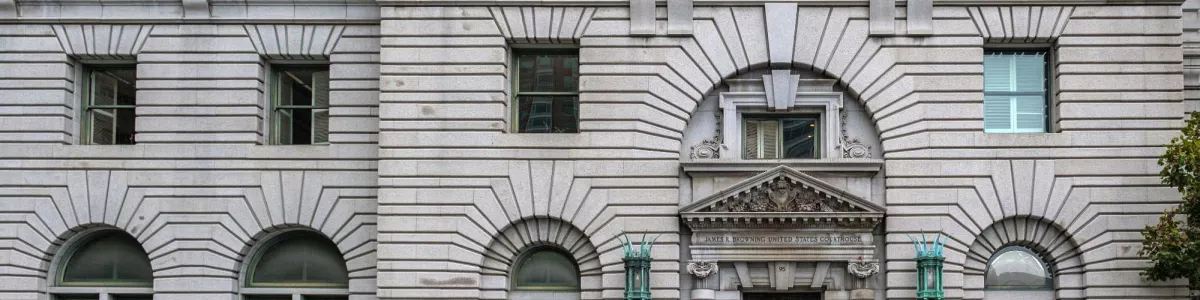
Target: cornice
(868,165)
(190,11)
(762,2)
(805,220)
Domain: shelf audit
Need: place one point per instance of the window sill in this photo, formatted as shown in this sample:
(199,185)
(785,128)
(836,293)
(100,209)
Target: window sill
(867,165)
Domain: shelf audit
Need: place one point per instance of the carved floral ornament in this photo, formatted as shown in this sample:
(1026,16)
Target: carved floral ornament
(782,198)
(782,195)
(851,147)
(701,268)
(862,269)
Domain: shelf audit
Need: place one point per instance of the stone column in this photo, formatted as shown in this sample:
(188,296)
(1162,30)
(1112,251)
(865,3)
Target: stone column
(701,270)
(836,295)
(862,270)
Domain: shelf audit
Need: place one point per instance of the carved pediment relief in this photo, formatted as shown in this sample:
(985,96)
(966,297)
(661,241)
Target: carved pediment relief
(782,198)
(781,194)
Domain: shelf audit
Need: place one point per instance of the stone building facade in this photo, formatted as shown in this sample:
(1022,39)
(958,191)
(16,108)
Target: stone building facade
(412,155)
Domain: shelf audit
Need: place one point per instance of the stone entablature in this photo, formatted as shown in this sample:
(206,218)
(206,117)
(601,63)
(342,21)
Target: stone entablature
(799,218)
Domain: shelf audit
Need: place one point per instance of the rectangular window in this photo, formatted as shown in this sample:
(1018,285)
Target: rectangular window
(547,91)
(109,102)
(300,105)
(793,136)
(1014,92)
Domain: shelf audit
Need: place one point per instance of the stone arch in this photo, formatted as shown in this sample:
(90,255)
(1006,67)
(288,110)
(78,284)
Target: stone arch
(68,240)
(359,266)
(674,76)
(507,246)
(857,123)
(1056,247)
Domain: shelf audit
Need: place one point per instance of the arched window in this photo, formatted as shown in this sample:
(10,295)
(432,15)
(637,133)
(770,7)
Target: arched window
(1016,272)
(546,269)
(105,264)
(1017,268)
(545,273)
(297,263)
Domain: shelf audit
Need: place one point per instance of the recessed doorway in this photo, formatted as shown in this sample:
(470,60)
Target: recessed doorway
(781,296)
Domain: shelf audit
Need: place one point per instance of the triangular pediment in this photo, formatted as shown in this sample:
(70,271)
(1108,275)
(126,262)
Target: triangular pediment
(782,198)
(782,190)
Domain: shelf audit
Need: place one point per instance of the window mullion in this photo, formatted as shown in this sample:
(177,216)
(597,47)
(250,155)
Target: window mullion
(1012,86)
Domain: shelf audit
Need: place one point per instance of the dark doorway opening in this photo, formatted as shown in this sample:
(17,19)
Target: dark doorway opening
(781,296)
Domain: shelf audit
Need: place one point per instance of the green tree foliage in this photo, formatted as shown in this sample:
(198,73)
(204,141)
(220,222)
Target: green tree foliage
(1173,245)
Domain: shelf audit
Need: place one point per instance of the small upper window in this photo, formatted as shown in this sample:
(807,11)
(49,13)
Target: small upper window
(102,261)
(789,136)
(546,269)
(547,91)
(1017,268)
(301,263)
(1014,92)
(109,102)
(301,105)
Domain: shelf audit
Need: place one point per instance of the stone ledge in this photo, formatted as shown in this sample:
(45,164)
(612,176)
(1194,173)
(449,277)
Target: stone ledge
(869,165)
(625,3)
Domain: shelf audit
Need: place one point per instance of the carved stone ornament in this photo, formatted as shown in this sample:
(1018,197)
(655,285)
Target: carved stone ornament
(852,147)
(782,195)
(707,149)
(701,268)
(863,269)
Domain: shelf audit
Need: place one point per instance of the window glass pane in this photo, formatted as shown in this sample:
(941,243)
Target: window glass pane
(546,269)
(1030,71)
(1017,268)
(1030,113)
(297,84)
(545,72)
(997,113)
(997,72)
(301,258)
(104,126)
(541,114)
(104,88)
(800,138)
(111,260)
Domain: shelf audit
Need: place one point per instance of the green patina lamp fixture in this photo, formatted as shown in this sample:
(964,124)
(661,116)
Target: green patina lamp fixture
(929,267)
(637,268)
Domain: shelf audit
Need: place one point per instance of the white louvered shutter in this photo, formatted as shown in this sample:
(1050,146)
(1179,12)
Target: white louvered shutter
(751,139)
(320,117)
(1029,79)
(769,136)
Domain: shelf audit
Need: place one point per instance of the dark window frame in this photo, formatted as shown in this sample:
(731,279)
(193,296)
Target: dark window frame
(528,254)
(1050,272)
(515,76)
(88,108)
(277,109)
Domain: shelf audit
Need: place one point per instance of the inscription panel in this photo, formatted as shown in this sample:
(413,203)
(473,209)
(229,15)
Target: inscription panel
(752,238)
